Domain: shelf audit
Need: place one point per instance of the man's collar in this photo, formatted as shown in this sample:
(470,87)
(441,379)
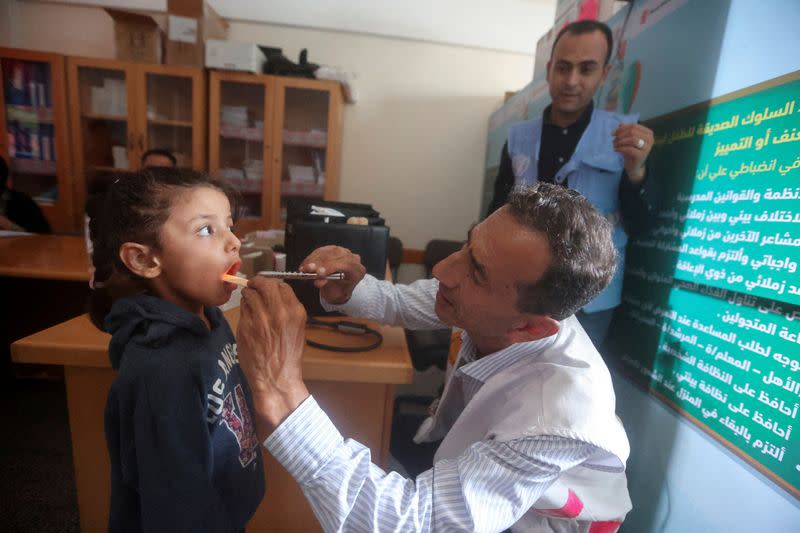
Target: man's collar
(585,117)
(485,367)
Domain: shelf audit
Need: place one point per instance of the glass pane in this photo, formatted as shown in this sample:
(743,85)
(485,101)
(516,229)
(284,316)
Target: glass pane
(29,128)
(169,116)
(241,142)
(104,120)
(305,137)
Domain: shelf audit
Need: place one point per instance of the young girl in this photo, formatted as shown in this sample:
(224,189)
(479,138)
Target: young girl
(183,447)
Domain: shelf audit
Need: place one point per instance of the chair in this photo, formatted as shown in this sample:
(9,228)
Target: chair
(427,349)
(430,347)
(394,256)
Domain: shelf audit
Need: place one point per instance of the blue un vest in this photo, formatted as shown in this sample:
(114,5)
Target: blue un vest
(594,170)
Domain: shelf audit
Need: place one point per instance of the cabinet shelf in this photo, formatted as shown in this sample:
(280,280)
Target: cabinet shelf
(245,185)
(34,166)
(108,118)
(306,139)
(169,122)
(29,114)
(293,189)
(105,168)
(241,132)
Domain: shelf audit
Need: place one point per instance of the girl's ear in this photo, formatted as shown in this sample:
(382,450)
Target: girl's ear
(140,260)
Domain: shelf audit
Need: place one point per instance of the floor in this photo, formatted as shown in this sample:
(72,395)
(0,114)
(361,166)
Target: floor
(37,484)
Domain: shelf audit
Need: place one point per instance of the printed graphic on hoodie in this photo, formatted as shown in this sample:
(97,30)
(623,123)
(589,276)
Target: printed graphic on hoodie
(232,407)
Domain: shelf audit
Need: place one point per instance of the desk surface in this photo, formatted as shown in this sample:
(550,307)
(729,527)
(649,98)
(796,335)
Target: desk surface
(57,257)
(77,342)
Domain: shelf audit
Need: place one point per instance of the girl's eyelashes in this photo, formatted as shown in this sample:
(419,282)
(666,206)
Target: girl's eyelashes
(206,231)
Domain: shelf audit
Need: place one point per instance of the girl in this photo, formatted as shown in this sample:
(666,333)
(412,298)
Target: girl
(183,447)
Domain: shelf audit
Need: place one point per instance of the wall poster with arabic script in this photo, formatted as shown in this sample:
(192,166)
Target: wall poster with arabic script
(710,319)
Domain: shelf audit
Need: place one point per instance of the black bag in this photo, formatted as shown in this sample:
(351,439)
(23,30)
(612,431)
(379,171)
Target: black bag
(305,233)
(279,65)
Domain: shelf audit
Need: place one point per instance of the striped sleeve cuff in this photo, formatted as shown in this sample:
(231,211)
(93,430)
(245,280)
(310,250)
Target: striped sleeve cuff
(305,441)
(361,300)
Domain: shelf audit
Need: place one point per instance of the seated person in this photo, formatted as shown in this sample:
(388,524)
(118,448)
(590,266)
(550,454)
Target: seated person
(529,437)
(158,157)
(18,211)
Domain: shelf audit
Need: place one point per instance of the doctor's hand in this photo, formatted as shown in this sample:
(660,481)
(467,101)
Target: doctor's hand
(330,259)
(270,339)
(634,142)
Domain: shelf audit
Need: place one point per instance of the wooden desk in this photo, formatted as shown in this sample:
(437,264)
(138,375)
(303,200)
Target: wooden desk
(356,390)
(45,276)
(55,257)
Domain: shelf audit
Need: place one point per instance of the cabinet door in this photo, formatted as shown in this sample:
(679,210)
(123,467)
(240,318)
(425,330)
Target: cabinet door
(103,121)
(308,142)
(172,113)
(33,120)
(240,107)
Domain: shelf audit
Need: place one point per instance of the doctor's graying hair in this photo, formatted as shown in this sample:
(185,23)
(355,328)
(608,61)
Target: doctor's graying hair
(133,207)
(582,254)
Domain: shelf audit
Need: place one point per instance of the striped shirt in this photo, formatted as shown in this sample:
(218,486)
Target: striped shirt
(487,488)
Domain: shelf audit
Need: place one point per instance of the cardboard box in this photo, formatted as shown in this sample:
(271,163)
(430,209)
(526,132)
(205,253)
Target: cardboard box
(189,24)
(187,8)
(233,55)
(138,37)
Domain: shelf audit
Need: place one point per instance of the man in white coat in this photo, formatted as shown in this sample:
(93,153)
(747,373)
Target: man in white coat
(530,439)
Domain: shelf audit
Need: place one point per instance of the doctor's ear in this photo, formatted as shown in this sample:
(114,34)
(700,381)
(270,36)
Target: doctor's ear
(533,327)
(140,259)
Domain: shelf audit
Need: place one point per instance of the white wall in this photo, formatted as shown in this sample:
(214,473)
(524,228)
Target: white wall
(414,144)
(498,25)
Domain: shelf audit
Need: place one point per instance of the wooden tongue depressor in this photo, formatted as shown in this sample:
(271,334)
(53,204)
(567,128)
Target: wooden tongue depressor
(282,275)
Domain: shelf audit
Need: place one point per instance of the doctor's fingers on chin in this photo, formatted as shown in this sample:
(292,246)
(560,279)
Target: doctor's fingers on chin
(253,307)
(291,304)
(266,288)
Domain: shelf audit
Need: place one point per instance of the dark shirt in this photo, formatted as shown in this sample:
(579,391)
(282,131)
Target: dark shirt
(20,209)
(558,144)
(179,422)
(557,147)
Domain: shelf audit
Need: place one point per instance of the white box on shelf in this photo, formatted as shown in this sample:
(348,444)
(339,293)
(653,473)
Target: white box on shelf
(301,174)
(101,100)
(118,95)
(120,156)
(234,55)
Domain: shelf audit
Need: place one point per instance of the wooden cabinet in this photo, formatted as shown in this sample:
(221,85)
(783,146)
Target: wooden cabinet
(121,110)
(34,131)
(274,138)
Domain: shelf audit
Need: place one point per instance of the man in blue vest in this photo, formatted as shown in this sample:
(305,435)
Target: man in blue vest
(600,154)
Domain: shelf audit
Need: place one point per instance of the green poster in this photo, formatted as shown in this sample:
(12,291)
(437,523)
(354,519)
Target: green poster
(737,223)
(710,318)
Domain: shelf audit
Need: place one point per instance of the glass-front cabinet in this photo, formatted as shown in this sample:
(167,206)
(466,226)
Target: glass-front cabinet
(174,113)
(308,121)
(274,138)
(239,143)
(123,109)
(33,120)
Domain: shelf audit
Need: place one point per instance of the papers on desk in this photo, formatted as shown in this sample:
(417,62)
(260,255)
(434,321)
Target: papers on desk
(235,301)
(8,233)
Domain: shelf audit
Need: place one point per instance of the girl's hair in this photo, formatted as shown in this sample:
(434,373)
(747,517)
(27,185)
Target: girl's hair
(132,208)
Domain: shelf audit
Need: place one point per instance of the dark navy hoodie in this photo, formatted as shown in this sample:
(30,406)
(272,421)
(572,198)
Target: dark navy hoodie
(178,422)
